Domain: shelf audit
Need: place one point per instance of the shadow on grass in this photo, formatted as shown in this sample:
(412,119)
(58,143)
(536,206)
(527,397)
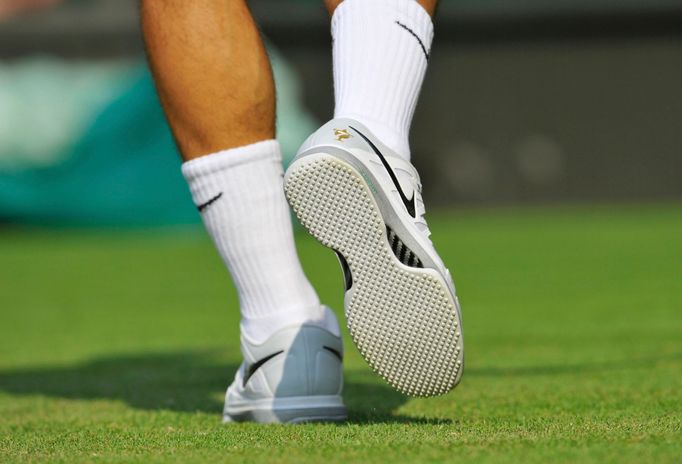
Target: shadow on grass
(184,382)
(173,381)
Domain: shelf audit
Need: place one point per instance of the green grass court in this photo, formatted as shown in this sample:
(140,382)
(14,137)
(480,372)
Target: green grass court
(118,347)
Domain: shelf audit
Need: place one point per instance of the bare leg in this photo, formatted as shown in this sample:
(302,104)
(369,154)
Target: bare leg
(216,86)
(429,5)
(212,73)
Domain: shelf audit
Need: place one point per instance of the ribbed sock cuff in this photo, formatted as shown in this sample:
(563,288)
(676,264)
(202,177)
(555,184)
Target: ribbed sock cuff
(227,159)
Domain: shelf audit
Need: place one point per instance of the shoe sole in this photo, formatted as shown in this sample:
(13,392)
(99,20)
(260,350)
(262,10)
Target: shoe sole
(301,416)
(403,320)
(293,410)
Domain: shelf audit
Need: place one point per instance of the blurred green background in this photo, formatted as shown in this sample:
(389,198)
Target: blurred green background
(524,102)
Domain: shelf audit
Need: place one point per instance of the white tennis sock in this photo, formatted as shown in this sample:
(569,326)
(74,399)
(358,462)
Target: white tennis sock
(241,199)
(381,49)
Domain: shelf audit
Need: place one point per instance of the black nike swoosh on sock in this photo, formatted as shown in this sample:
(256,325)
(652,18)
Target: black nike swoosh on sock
(205,205)
(410,204)
(414,34)
(255,366)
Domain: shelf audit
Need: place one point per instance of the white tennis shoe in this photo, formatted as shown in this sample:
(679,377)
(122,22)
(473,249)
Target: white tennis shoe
(294,376)
(359,198)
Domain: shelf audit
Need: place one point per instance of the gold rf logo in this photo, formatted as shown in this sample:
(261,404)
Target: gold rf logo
(341,134)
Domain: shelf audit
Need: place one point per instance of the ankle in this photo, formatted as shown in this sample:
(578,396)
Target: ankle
(258,329)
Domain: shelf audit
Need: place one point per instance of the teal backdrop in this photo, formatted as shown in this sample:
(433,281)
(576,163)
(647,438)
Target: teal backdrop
(124,168)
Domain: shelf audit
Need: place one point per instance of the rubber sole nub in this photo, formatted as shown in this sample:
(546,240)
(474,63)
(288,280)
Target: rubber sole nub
(403,320)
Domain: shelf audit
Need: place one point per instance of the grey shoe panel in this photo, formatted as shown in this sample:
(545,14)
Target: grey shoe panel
(306,367)
(329,378)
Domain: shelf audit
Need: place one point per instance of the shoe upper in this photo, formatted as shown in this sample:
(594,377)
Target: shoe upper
(396,176)
(303,360)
